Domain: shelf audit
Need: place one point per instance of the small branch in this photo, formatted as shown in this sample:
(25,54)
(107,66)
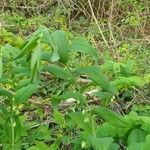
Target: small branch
(100,30)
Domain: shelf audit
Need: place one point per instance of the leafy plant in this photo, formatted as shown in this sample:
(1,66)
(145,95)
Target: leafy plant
(44,57)
(35,56)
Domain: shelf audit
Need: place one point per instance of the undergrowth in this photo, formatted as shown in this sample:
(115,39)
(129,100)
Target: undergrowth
(74,75)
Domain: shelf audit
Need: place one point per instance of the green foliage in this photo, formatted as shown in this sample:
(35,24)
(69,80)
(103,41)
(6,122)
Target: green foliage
(27,73)
(23,94)
(112,118)
(29,64)
(104,143)
(60,72)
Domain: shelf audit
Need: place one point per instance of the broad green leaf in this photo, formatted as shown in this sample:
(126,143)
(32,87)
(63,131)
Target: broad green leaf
(83,121)
(46,36)
(43,133)
(127,69)
(59,72)
(119,68)
(136,136)
(81,45)
(13,129)
(22,83)
(146,127)
(107,129)
(36,57)
(10,51)
(38,32)
(45,56)
(23,94)
(103,143)
(55,56)
(128,82)
(35,75)
(5,92)
(110,67)
(112,117)
(147,143)
(28,47)
(97,76)
(58,117)
(104,96)
(136,81)
(59,43)
(114,146)
(136,146)
(35,64)
(22,71)
(42,145)
(134,119)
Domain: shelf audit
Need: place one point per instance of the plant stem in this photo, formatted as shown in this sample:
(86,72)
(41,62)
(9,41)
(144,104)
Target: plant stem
(100,30)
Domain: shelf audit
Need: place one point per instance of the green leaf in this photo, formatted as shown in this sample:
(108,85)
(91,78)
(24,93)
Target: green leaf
(55,56)
(112,117)
(136,146)
(58,117)
(136,136)
(28,47)
(147,143)
(5,92)
(83,121)
(81,45)
(97,76)
(114,146)
(127,69)
(55,145)
(35,64)
(42,145)
(136,81)
(45,56)
(36,57)
(128,82)
(60,72)
(46,36)
(104,96)
(43,133)
(103,143)
(146,127)
(23,94)
(22,83)
(111,67)
(50,39)
(107,129)
(9,52)
(59,43)
(13,129)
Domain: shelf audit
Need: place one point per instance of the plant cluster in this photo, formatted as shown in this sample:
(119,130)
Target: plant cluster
(124,25)
(67,118)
